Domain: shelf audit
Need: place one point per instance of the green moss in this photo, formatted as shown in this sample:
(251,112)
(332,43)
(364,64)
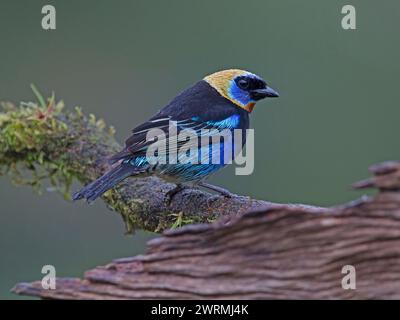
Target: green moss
(180,220)
(31,134)
(128,208)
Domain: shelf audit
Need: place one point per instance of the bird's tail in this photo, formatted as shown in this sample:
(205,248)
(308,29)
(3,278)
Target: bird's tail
(95,189)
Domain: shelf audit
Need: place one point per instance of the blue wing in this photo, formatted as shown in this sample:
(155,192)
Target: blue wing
(197,164)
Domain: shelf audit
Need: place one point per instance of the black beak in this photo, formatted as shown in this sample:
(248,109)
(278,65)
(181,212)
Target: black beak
(258,94)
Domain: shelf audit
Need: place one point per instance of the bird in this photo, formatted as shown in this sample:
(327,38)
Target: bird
(221,100)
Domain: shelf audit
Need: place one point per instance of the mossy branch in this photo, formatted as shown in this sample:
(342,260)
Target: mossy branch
(61,145)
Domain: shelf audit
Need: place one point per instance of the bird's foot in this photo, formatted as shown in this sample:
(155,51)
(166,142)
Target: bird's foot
(173,192)
(223,192)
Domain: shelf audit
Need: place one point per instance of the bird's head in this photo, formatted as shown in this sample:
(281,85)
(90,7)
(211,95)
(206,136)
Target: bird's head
(241,87)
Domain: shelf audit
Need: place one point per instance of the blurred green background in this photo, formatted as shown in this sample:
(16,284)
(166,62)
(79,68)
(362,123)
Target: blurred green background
(123,60)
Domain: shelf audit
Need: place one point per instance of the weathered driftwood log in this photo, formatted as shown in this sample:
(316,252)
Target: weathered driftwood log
(277,252)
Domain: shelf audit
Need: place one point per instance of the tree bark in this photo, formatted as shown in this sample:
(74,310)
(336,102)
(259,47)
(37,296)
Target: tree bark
(280,252)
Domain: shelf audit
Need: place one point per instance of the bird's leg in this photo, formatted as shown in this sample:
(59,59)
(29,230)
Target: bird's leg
(171,193)
(221,191)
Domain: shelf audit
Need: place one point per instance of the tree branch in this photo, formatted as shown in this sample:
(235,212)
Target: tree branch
(282,252)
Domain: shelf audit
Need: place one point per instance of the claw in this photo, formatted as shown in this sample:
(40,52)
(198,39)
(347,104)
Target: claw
(221,191)
(172,193)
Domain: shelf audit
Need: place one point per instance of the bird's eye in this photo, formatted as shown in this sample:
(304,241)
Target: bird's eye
(243,83)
